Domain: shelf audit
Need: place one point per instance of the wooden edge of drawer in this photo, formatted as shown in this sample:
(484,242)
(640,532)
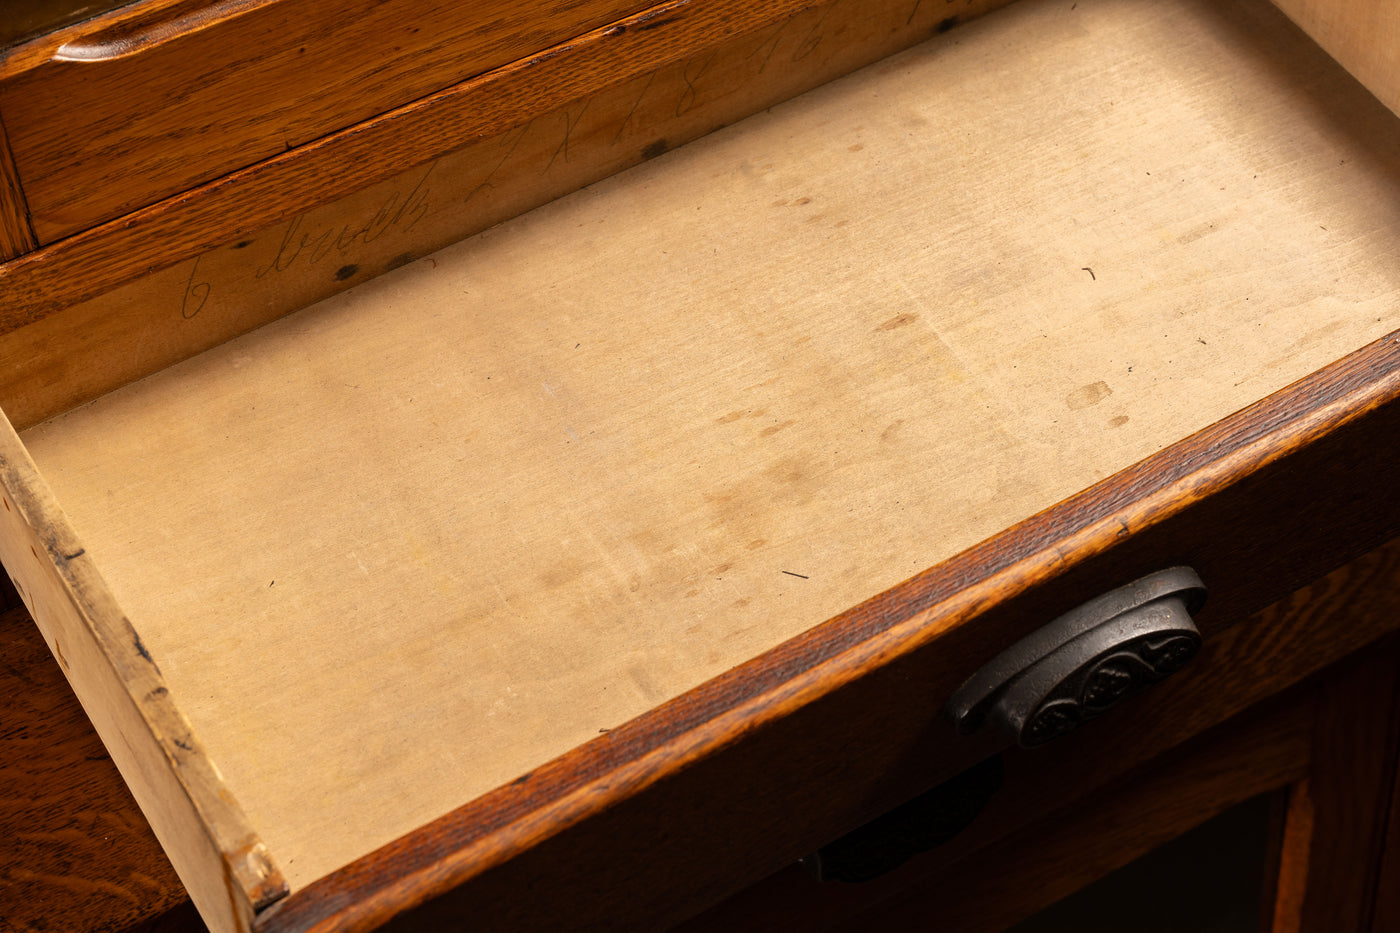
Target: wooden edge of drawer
(820,734)
(219,857)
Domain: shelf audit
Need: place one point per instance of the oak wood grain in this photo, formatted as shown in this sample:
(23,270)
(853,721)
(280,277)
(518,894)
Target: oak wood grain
(16,232)
(1316,514)
(202,90)
(75,851)
(1336,826)
(1059,855)
(1341,727)
(280,187)
(73,772)
(852,433)
(1320,425)
(836,726)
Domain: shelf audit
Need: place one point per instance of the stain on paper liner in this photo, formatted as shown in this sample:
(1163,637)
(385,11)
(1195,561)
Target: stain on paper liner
(1088,395)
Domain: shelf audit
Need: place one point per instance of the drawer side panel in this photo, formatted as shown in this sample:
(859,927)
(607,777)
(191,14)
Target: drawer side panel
(219,858)
(1362,35)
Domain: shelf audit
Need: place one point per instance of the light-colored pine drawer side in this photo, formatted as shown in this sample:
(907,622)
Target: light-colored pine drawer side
(220,859)
(1362,35)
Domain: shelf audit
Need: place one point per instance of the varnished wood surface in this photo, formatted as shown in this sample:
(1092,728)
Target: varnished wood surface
(1338,817)
(818,753)
(1235,486)
(1339,726)
(784,407)
(16,233)
(144,103)
(1059,855)
(1275,651)
(1291,880)
(75,852)
(26,19)
(162,317)
(63,876)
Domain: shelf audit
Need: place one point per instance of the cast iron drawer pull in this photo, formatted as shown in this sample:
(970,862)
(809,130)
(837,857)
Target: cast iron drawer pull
(1084,662)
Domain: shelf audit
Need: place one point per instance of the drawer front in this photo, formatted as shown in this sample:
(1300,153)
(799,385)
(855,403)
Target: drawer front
(1064,815)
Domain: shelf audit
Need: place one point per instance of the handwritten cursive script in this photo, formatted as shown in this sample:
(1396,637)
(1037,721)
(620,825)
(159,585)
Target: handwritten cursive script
(196,293)
(397,210)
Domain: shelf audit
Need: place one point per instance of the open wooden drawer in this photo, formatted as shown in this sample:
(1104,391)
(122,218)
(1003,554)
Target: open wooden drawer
(599,564)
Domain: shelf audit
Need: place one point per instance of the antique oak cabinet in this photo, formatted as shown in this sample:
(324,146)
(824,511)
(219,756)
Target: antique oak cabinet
(555,464)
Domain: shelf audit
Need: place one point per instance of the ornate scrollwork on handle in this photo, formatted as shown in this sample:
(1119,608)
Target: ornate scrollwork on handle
(1086,661)
(1111,678)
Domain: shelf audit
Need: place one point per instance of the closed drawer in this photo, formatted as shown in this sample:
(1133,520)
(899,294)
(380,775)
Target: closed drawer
(630,549)
(158,97)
